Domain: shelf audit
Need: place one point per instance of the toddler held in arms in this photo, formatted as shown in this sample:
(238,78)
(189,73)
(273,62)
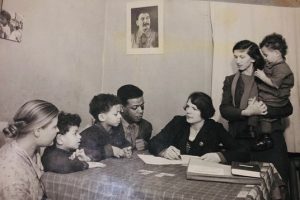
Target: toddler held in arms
(274,87)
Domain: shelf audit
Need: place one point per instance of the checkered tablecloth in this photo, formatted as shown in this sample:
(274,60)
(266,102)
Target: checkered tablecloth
(132,179)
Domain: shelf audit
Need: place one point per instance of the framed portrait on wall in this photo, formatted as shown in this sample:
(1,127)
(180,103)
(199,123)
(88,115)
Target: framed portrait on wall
(145,27)
(11,24)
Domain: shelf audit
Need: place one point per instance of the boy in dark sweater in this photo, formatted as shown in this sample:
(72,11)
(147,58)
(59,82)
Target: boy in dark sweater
(64,156)
(105,138)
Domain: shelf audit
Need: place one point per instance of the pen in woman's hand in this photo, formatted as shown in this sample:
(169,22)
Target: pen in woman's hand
(177,152)
(179,157)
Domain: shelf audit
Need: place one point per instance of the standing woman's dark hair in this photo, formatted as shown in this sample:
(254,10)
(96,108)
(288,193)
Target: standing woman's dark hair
(253,51)
(34,126)
(203,103)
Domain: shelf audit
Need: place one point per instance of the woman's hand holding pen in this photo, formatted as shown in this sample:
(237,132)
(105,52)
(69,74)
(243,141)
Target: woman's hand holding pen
(171,153)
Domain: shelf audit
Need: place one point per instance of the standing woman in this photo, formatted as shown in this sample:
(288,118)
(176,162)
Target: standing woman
(33,126)
(239,105)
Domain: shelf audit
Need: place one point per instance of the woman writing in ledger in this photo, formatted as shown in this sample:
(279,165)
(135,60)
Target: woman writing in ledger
(197,134)
(34,126)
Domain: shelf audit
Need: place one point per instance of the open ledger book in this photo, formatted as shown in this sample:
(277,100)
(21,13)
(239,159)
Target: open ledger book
(209,171)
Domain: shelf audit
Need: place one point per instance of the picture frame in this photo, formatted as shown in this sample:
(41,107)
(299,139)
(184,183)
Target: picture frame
(11,24)
(145,27)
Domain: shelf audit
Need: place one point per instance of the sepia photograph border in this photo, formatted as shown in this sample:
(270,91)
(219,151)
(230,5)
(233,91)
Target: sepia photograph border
(159,23)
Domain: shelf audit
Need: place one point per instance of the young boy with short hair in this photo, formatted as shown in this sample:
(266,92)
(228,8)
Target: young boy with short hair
(64,156)
(274,88)
(105,138)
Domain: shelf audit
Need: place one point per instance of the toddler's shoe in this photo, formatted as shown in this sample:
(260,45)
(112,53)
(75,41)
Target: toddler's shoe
(264,143)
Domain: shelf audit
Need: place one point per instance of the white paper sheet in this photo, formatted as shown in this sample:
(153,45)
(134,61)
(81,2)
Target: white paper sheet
(154,160)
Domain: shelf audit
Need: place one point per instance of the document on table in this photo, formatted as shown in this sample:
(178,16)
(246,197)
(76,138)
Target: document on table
(198,166)
(154,160)
(209,171)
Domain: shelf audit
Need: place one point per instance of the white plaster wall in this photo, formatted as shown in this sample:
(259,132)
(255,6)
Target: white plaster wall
(166,79)
(233,22)
(59,59)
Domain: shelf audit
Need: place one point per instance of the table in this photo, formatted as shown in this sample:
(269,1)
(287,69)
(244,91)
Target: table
(133,179)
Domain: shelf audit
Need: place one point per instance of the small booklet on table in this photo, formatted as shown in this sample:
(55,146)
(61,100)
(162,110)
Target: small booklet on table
(209,171)
(245,169)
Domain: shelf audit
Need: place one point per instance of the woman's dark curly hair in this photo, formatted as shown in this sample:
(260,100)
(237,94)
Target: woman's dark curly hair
(203,103)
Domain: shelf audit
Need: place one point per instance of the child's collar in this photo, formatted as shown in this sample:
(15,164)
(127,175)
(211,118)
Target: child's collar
(277,63)
(103,126)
